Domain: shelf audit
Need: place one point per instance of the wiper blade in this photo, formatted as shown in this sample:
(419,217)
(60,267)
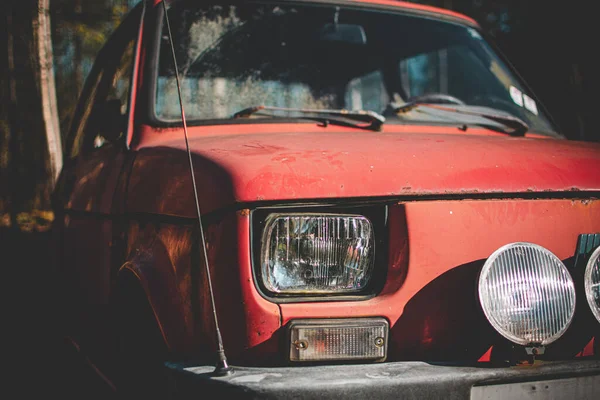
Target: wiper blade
(517,126)
(373,120)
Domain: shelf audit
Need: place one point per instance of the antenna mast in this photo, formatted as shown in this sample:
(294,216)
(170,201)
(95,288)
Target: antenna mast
(222,368)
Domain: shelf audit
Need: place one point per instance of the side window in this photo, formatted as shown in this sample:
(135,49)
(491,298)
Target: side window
(112,110)
(100,117)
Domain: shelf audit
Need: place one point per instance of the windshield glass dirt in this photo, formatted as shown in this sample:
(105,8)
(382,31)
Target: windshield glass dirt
(231,57)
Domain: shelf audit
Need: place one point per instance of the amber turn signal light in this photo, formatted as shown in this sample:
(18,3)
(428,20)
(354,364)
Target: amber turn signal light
(313,340)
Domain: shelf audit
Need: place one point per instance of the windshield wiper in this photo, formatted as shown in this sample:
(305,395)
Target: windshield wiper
(517,127)
(373,120)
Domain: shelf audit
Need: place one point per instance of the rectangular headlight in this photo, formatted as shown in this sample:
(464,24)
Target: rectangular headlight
(317,253)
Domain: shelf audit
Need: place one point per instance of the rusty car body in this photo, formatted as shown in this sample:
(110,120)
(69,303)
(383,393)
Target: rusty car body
(441,185)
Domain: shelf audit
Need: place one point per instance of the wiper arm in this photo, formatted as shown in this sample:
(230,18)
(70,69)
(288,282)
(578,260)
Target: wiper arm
(518,127)
(374,120)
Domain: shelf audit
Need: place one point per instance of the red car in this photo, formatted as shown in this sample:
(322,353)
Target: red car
(365,200)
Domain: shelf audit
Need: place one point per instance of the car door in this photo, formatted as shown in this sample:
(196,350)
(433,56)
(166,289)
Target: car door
(85,194)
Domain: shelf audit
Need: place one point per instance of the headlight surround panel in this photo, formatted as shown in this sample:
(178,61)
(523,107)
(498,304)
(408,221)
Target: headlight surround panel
(261,218)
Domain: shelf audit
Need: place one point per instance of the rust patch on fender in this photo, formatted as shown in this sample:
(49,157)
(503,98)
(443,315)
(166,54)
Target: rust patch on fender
(244,212)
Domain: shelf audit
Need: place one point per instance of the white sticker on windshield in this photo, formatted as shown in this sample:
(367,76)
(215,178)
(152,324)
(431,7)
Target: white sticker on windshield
(474,34)
(516,95)
(530,104)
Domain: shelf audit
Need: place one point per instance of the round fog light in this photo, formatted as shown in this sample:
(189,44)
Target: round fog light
(592,283)
(527,294)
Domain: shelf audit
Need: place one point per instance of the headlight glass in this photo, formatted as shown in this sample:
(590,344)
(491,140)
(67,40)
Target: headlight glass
(317,253)
(527,294)
(592,283)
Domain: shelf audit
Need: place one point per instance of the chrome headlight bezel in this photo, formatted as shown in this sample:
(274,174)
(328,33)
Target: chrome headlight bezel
(560,272)
(592,263)
(376,214)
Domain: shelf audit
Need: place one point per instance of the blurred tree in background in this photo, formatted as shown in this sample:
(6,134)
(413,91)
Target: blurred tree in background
(78,29)
(30,139)
(551,44)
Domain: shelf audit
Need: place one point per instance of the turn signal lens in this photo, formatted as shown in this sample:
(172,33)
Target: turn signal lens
(338,339)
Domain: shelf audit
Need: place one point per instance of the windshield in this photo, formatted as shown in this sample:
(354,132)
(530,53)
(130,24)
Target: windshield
(232,57)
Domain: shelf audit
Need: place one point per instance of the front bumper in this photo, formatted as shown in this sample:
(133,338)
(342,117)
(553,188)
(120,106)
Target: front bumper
(569,379)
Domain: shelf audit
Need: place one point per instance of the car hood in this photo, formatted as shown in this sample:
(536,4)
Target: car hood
(354,164)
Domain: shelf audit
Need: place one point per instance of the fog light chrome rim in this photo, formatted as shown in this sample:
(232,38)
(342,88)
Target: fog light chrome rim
(527,294)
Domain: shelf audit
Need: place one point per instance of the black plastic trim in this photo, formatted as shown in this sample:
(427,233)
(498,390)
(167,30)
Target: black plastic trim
(309,204)
(586,244)
(348,201)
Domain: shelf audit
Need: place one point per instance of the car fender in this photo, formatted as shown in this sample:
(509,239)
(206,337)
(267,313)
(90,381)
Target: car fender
(152,269)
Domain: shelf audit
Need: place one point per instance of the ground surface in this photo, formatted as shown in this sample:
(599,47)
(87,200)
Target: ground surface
(46,365)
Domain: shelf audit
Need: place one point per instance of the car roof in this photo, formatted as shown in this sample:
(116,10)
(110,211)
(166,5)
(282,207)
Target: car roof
(403,5)
(392,5)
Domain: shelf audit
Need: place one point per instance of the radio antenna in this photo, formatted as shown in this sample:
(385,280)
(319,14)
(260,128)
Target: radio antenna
(222,368)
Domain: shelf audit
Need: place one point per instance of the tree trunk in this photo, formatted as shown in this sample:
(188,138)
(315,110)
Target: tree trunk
(34,156)
(48,89)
